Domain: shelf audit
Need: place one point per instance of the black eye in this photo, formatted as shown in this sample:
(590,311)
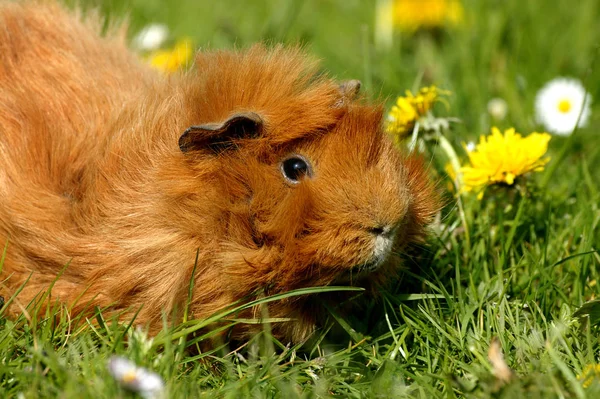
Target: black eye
(295,168)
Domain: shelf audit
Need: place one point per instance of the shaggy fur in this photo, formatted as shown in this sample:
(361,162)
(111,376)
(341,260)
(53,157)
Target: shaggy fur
(92,175)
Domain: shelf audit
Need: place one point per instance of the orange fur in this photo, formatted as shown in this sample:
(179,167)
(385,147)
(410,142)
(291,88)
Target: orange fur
(91,174)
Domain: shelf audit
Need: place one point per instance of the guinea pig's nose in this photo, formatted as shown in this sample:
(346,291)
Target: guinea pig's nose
(381,230)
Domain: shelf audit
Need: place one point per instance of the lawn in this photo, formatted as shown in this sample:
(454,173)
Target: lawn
(500,302)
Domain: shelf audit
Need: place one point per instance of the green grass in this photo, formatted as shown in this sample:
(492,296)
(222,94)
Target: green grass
(531,263)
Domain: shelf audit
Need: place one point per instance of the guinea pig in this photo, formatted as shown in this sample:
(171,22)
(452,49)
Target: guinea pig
(253,171)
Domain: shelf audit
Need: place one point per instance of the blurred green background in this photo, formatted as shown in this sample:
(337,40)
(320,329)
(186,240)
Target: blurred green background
(500,48)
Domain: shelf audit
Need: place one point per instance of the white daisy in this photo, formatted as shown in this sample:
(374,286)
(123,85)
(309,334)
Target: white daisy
(151,37)
(559,103)
(137,379)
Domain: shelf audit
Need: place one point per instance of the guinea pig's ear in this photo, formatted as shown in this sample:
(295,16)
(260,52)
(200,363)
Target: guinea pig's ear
(350,88)
(349,91)
(218,137)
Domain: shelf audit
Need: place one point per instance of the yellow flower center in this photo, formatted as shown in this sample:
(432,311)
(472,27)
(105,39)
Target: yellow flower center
(564,106)
(130,376)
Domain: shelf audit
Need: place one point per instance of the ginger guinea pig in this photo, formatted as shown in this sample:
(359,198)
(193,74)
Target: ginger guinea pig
(252,166)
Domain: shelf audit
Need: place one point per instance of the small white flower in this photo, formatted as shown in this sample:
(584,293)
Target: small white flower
(470,146)
(559,103)
(497,108)
(137,379)
(151,37)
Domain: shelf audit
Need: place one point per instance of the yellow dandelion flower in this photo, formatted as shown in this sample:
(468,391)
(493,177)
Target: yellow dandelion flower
(411,15)
(174,59)
(402,117)
(408,109)
(501,158)
(589,374)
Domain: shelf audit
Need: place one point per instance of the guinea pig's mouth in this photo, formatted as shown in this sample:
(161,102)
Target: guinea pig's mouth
(359,272)
(370,266)
(381,252)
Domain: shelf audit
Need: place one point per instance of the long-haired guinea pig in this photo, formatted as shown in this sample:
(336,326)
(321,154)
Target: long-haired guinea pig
(253,171)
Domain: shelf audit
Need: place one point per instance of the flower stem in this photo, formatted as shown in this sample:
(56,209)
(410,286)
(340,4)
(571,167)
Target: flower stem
(414,136)
(449,150)
(368,70)
(515,223)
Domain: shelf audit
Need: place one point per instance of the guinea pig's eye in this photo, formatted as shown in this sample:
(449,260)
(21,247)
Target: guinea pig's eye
(295,167)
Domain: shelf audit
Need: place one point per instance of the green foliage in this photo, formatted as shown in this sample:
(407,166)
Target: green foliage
(531,262)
